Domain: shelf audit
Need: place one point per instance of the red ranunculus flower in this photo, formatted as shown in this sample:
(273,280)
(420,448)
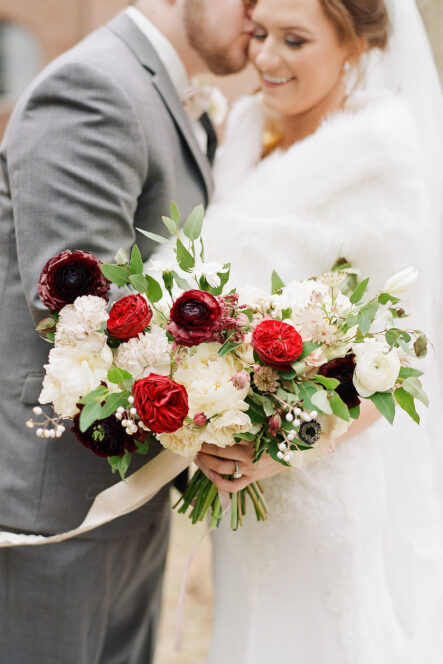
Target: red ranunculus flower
(161,403)
(277,344)
(70,275)
(129,316)
(106,438)
(194,318)
(342,369)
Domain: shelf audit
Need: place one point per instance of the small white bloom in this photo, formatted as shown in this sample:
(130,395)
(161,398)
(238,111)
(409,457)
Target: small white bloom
(401,281)
(376,370)
(218,106)
(80,319)
(74,371)
(210,272)
(187,441)
(145,354)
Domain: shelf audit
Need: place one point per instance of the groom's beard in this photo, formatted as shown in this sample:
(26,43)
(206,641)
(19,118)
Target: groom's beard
(222,55)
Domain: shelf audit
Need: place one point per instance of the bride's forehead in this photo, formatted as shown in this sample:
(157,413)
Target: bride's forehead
(285,12)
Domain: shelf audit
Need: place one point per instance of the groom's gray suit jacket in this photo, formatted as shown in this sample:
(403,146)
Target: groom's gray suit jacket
(97,146)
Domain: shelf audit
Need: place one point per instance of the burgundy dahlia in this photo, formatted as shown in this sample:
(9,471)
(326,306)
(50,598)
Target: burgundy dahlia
(342,369)
(106,438)
(69,275)
(195,316)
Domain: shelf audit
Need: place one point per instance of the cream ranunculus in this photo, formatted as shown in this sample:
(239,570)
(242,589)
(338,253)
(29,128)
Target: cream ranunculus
(78,320)
(145,354)
(245,352)
(207,379)
(220,430)
(187,441)
(73,371)
(401,281)
(376,370)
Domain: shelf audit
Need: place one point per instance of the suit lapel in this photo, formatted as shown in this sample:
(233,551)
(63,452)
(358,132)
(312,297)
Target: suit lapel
(125,28)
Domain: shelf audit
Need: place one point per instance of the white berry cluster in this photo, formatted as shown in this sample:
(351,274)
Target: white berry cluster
(129,418)
(49,428)
(295,416)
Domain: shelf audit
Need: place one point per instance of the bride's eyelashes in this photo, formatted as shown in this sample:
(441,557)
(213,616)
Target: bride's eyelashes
(290,40)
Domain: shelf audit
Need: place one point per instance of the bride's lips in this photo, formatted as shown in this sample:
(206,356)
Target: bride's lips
(275,81)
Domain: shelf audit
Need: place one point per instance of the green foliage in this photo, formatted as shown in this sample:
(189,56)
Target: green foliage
(139,282)
(414,387)
(136,265)
(406,401)
(339,407)
(384,298)
(384,402)
(120,464)
(153,236)
(175,214)
(355,412)
(359,291)
(155,292)
(116,273)
(184,258)
(321,402)
(193,224)
(329,383)
(117,375)
(406,372)
(308,348)
(170,225)
(114,401)
(366,316)
(228,346)
(90,413)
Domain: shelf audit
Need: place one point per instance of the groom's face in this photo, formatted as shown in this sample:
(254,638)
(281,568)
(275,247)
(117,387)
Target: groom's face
(219,30)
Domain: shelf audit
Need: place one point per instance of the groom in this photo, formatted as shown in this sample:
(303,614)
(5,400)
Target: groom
(99,144)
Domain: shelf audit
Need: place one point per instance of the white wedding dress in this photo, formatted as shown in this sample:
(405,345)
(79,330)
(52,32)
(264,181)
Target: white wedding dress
(349,567)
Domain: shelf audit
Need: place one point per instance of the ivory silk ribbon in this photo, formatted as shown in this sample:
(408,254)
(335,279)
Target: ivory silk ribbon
(122,498)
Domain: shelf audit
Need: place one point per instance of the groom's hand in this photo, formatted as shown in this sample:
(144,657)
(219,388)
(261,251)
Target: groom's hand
(216,461)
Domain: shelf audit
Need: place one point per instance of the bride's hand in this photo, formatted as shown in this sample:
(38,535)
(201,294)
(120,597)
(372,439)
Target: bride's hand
(216,461)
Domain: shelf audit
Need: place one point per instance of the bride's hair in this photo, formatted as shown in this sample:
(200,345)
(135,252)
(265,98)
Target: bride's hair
(367,19)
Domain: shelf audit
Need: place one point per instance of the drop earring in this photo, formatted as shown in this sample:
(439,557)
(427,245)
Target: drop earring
(349,77)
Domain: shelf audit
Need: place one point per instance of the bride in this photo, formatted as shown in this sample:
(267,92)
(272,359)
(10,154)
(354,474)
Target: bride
(348,569)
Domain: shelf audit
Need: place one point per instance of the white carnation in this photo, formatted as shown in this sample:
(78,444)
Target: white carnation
(207,379)
(145,354)
(187,441)
(78,320)
(253,297)
(376,370)
(74,371)
(220,430)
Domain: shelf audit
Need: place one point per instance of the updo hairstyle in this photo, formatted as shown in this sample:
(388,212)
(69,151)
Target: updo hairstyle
(367,19)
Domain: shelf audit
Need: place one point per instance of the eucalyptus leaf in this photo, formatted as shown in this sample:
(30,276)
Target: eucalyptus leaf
(121,257)
(136,265)
(114,401)
(46,325)
(329,383)
(143,448)
(117,375)
(355,412)
(366,316)
(139,282)
(414,387)
(153,236)
(89,415)
(115,273)
(227,347)
(384,402)
(155,292)
(321,402)
(184,258)
(245,436)
(170,225)
(193,224)
(175,214)
(359,291)
(384,298)
(97,395)
(181,283)
(406,401)
(406,372)
(339,407)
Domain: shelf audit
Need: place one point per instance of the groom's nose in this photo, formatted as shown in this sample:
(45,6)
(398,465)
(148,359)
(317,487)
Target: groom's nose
(249,7)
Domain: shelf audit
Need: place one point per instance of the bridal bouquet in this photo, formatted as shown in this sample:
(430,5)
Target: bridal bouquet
(183,360)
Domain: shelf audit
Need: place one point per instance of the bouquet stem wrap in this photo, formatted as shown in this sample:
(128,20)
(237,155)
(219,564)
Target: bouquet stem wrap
(122,498)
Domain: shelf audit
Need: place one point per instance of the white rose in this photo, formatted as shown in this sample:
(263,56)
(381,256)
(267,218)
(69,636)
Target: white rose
(78,320)
(376,370)
(401,281)
(207,379)
(74,371)
(187,441)
(220,430)
(145,354)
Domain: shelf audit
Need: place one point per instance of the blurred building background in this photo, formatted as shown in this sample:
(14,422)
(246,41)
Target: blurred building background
(33,33)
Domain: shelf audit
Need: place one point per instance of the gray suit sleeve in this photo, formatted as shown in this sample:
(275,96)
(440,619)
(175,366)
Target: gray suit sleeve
(77,162)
